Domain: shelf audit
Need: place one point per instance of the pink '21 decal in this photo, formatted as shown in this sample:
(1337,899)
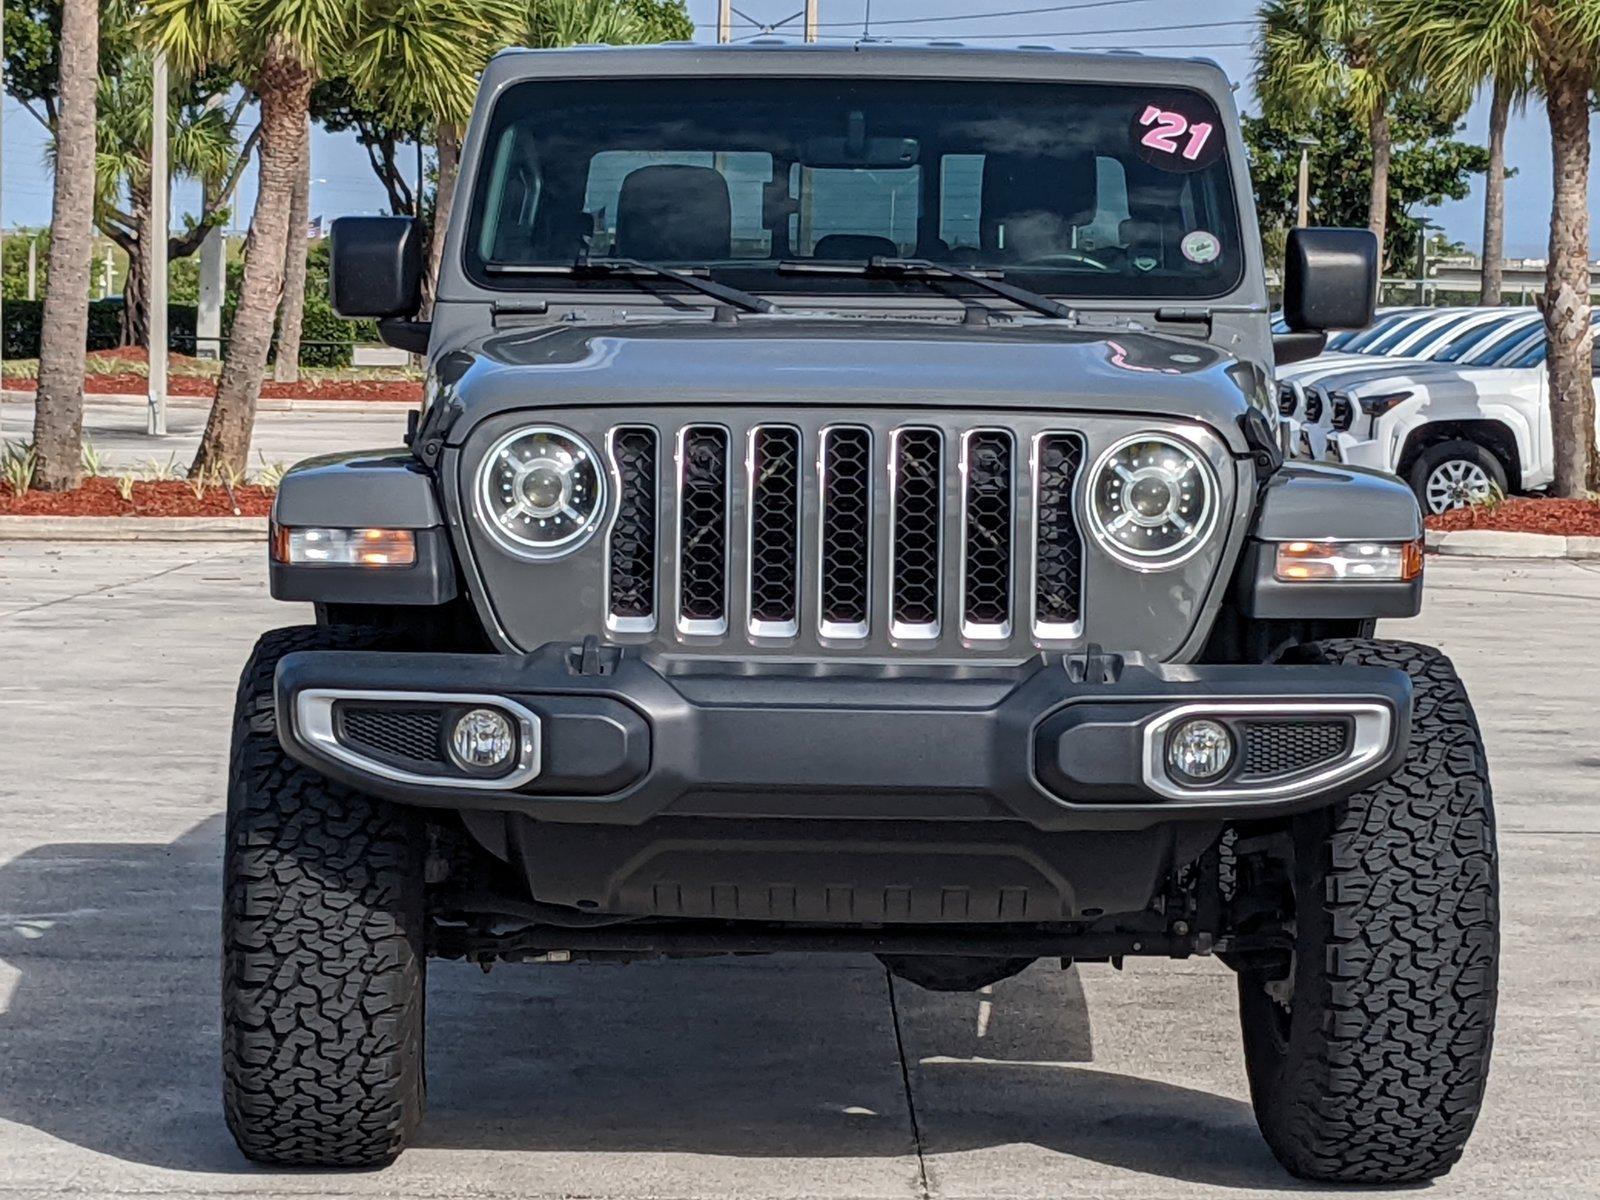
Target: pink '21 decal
(1166,128)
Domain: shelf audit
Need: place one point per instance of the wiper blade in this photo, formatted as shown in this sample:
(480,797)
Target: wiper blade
(613,266)
(911,268)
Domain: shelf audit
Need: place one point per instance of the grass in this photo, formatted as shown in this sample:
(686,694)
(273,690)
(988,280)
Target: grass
(17,461)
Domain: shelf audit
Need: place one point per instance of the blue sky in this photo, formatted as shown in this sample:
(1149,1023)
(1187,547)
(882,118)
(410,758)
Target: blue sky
(1221,29)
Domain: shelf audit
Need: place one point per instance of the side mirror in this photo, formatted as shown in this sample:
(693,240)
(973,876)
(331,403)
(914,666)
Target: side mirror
(375,266)
(1330,279)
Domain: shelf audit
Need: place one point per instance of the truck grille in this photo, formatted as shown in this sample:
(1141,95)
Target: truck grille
(845,533)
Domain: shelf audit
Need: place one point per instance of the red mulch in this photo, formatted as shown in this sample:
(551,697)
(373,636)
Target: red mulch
(108,383)
(153,498)
(1567,518)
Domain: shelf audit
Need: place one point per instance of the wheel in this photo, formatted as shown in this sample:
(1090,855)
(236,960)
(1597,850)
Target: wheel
(322,947)
(1456,474)
(1367,1063)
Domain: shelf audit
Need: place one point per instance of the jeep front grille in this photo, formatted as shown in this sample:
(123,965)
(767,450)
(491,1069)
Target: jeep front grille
(703,478)
(846,533)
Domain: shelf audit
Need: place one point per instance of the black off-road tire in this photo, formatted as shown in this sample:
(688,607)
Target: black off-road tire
(323,959)
(1375,1070)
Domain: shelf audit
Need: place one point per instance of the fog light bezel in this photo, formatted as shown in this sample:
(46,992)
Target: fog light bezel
(316,727)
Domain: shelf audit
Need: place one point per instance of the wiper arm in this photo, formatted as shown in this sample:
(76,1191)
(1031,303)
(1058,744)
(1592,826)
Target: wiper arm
(610,266)
(918,267)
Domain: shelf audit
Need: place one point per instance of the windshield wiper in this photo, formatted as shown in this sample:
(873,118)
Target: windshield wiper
(624,267)
(914,268)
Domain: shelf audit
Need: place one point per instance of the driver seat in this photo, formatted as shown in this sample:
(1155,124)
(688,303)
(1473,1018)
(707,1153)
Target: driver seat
(669,212)
(1033,203)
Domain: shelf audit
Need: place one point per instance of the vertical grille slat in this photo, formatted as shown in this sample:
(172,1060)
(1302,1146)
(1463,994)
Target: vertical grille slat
(917,469)
(774,531)
(703,530)
(986,534)
(1058,544)
(846,542)
(631,544)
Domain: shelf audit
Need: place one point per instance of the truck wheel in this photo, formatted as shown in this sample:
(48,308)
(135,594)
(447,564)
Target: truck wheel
(1456,474)
(322,947)
(1367,1063)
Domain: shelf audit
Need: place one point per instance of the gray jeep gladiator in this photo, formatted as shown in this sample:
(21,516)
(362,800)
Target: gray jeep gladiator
(847,515)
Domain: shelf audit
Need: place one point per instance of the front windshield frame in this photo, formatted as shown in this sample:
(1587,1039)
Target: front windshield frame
(543,270)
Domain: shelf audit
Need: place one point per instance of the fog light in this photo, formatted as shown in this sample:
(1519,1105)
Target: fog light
(481,740)
(1200,750)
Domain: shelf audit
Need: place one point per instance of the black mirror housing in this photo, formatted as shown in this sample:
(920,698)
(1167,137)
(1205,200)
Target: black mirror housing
(1330,279)
(375,266)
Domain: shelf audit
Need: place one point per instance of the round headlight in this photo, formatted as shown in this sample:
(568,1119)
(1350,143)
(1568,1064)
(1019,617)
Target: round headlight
(1152,501)
(541,492)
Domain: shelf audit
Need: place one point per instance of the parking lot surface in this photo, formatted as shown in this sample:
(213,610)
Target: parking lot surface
(749,1078)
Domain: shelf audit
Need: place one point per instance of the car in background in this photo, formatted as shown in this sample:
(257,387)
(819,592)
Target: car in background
(1460,433)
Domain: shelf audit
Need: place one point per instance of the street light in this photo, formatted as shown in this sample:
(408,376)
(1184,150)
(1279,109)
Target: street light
(1423,226)
(1307,143)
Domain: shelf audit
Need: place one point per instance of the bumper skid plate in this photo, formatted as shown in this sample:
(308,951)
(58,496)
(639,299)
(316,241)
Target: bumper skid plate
(617,738)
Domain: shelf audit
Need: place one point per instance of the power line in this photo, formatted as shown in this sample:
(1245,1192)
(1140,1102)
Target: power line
(1082,33)
(971,16)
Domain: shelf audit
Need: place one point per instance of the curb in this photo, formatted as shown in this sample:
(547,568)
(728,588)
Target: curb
(119,399)
(1494,543)
(133,529)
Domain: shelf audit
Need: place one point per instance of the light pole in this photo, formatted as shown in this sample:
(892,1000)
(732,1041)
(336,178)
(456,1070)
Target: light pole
(160,227)
(1307,144)
(1423,226)
(724,21)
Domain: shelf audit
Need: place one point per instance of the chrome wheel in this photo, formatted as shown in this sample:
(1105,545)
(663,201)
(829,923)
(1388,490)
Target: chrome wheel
(1456,484)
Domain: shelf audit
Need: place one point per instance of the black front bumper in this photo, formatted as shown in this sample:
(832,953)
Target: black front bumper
(1059,744)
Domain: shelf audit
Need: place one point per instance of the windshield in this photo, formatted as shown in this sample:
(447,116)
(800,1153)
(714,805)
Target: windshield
(1458,347)
(1071,189)
(1359,343)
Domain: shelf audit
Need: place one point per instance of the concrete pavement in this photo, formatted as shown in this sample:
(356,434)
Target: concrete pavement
(775,1077)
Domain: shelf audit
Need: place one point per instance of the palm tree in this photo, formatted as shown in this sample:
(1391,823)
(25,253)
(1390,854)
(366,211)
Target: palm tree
(58,411)
(277,48)
(1508,87)
(417,63)
(292,311)
(1556,44)
(202,145)
(1321,54)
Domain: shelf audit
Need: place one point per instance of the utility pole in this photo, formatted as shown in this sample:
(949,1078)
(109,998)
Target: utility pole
(1307,144)
(724,22)
(811,20)
(33,267)
(160,227)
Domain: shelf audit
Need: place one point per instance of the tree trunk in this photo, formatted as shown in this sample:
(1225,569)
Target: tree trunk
(1566,306)
(134,329)
(1382,157)
(1494,200)
(291,313)
(284,88)
(449,150)
(64,333)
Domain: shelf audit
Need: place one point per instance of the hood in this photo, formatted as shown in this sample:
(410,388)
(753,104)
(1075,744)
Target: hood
(832,363)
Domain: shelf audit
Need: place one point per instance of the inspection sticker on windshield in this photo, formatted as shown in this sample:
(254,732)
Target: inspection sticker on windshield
(1201,247)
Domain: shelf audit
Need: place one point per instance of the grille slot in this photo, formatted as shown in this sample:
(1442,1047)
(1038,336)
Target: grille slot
(986,534)
(406,737)
(1286,400)
(774,531)
(1281,748)
(703,530)
(846,520)
(1058,545)
(917,472)
(631,543)
(1313,405)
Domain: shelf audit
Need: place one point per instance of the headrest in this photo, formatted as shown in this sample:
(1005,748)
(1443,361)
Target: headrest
(674,213)
(1031,203)
(855,246)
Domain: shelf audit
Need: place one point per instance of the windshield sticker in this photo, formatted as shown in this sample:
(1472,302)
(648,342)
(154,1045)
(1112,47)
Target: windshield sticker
(1201,247)
(1175,142)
